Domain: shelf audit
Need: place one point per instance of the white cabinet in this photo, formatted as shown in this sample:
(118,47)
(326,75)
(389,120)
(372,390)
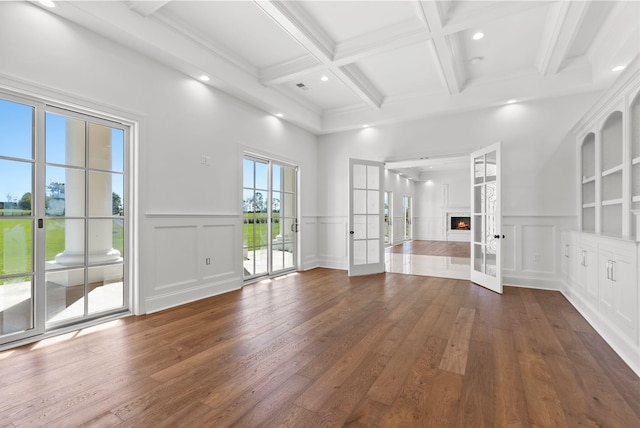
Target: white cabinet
(600,278)
(618,286)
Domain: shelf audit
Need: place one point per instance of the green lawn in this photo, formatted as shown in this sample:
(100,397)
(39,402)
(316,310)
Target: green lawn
(255,234)
(16,242)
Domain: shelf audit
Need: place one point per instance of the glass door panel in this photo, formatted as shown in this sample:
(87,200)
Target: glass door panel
(17,222)
(85,224)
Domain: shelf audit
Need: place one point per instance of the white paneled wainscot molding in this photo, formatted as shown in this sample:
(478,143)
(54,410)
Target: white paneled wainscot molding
(530,249)
(332,242)
(190,257)
(309,242)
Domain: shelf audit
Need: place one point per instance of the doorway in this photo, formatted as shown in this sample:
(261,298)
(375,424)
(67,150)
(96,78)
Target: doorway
(388,218)
(406,210)
(63,218)
(270,223)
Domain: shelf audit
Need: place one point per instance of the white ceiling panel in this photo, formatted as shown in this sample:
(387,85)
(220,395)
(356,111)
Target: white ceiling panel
(403,71)
(238,27)
(326,95)
(510,45)
(345,20)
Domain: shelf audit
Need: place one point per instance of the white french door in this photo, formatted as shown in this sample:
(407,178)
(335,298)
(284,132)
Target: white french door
(486,224)
(366,217)
(63,229)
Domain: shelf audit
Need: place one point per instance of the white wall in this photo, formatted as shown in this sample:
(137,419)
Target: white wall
(538,173)
(437,193)
(187,211)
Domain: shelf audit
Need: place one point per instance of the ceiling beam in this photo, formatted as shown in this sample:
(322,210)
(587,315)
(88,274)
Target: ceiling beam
(565,19)
(447,57)
(308,34)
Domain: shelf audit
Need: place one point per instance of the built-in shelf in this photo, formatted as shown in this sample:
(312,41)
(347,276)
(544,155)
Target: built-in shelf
(612,170)
(589,205)
(636,199)
(612,202)
(635,161)
(586,180)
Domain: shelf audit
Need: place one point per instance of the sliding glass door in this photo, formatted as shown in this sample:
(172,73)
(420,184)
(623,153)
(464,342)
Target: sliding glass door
(62,218)
(270,223)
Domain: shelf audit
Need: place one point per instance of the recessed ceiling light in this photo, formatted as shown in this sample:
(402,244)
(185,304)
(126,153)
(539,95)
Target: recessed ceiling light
(365,126)
(512,101)
(324,78)
(476,60)
(279,114)
(47,3)
(204,78)
(478,36)
(619,68)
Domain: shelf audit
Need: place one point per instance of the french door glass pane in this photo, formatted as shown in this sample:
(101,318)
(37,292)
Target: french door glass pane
(64,243)
(16,304)
(15,188)
(65,140)
(64,195)
(106,193)
(106,148)
(65,294)
(106,288)
(105,240)
(262,176)
(16,246)
(16,123)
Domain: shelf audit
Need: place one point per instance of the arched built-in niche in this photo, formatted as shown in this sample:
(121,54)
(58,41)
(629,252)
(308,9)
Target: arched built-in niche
(611,152)
(588,150)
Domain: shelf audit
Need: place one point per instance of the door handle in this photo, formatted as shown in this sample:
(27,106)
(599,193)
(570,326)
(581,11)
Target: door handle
(351,232)
(498,236)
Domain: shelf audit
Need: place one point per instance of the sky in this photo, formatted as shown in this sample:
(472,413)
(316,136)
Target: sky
(16,141)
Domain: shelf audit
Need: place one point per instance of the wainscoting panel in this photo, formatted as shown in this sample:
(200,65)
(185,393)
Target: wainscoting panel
(428,228)
(191,257)
(309,236)
(530,248)
(333,238)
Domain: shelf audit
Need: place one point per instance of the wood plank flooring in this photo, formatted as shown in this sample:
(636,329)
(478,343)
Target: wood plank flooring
(433,248)
(321,349)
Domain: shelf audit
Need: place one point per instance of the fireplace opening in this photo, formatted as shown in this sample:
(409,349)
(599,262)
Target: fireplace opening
(460,223)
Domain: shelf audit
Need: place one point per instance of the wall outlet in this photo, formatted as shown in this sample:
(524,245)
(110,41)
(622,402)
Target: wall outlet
(207,261)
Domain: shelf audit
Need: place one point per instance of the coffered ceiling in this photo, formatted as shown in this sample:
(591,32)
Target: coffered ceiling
(335,65)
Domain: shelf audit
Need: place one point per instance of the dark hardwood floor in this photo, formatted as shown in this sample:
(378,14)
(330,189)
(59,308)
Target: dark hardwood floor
(434,248)
(321,349)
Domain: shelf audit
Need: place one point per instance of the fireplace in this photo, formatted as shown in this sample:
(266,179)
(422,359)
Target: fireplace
(460,223)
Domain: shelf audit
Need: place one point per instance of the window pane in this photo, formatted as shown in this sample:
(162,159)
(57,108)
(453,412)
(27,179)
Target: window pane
(262,178)
(15,188)
(16,130)
(16,304)
(359,176)
(65,140)
(106,288)
(289,179)
(105,241)
(373,177)
(64,192)
(478,169)
(64,240)
(277,177)
(247,173)
(15,246)
(105,147)
(65,294)
(105,194)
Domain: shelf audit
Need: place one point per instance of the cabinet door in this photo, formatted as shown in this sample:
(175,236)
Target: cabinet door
(619,290)
(587,273)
